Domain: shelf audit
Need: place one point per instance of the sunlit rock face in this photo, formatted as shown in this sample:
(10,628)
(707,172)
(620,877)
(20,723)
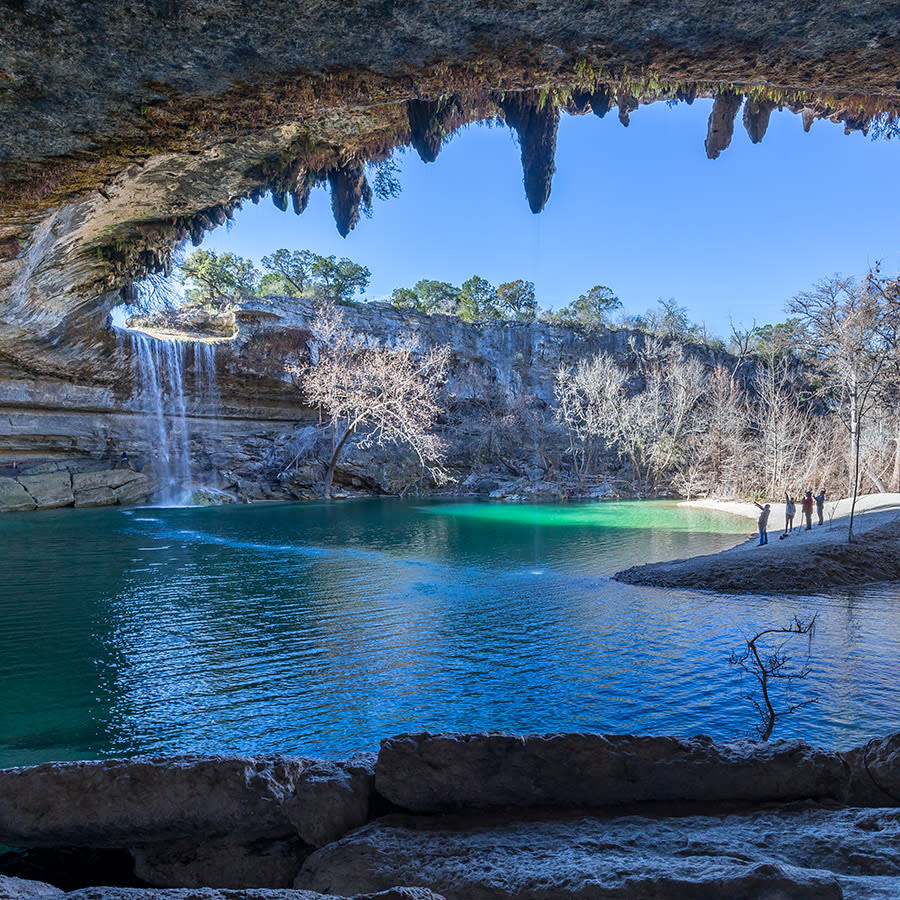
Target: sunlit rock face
(129,127)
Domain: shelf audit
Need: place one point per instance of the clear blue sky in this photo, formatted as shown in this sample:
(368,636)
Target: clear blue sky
(640,209)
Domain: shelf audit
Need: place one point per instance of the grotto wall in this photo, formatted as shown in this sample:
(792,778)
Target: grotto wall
(129,127)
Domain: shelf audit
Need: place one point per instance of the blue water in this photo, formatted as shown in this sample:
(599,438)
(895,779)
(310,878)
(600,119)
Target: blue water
(319,629)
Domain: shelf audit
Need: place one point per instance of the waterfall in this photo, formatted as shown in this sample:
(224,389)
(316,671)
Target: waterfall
(159,367)
(207,387)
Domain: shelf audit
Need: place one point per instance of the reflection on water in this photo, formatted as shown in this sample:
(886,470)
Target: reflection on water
(319,629)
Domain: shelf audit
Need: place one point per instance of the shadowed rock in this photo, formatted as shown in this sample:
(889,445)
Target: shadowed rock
(435,773)
(601,101)
(687,93)
(809,116)
(349,189)
(536,125)
(721,122)
(756,118)
(429,123)
(280,199)
(579,103)
(225,821)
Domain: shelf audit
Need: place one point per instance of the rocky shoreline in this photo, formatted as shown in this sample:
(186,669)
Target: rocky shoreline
(803,562)
(471,817)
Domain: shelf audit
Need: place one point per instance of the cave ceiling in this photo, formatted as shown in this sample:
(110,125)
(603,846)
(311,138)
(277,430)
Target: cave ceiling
(130,127)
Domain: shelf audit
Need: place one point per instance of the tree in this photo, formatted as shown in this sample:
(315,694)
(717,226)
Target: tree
(477,300)
(766,660)
(591,309)
(588,399)
(289,272)
(218,279)
(427,297)
(338,280)
(388,394)
(516,300)
(849,336)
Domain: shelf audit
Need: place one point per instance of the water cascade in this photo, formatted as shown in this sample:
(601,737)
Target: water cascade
(159,367)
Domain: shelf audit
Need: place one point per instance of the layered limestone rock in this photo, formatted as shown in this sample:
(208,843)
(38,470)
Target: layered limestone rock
(79,483)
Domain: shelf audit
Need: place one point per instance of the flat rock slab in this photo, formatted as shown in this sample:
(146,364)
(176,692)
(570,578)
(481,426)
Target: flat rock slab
(134,803)
(800,854)
(439,773)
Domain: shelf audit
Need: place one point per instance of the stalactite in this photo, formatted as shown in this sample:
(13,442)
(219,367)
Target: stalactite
(601,101)
(429,123)
(627,104)
(280,199)
(349,190)
(536,125)
(756,118)
(809,116)
(721,122)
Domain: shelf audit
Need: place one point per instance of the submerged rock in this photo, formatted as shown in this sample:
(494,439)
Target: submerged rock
(434,773)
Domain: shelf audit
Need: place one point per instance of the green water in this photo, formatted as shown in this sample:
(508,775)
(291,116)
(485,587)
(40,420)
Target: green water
(321,628)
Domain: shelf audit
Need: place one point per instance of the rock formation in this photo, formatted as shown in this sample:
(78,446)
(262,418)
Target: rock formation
(476,817)
(131,127)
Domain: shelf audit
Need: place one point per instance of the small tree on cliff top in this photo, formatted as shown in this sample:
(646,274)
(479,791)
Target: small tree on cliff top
(388,394)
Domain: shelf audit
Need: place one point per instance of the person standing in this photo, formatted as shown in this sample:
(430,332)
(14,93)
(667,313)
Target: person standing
(820,504)
(806,508)
(763,523)
(790,509)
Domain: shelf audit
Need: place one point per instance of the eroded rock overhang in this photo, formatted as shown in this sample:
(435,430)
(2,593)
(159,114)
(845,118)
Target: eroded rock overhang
(129,127)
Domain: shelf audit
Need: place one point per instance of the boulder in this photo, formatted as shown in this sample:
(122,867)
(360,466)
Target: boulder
(803,853)
(49,490)
(332,798)
(434,773)
(136,490)
(875,772)
(135,803)
(13,497)
(24,889)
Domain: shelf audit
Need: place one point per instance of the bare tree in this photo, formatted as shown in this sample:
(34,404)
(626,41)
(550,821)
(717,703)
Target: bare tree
(389,395)
(588,399)
(766,659)
(848,336)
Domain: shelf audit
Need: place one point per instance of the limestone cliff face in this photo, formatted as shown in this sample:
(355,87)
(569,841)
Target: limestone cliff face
(248,430)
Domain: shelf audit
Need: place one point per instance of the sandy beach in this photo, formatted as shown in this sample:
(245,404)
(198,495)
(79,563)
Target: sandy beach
(804,560)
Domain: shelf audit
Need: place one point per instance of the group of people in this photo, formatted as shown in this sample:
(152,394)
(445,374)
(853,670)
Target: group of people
(790,510)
